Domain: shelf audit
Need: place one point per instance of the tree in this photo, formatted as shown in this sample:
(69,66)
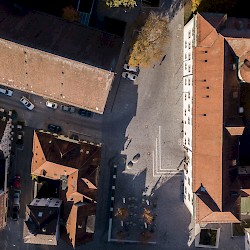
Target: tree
(151,41)
(70,14)
(122,213)
(148,216)
(121,3)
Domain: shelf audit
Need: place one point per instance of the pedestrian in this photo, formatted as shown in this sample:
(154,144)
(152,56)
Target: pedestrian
(163,58)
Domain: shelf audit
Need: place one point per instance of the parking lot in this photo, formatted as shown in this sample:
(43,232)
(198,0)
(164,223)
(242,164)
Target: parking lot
(87,128)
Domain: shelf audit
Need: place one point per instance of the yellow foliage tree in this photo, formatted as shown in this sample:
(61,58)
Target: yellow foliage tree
(121,3)
(121,213)
(150,42)
(147,216)
(70,14)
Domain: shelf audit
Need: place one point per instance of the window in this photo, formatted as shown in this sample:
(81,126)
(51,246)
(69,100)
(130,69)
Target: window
(185,56)
(189,68)
(188,181)
(189,197)
(188,123)
(189,34)
(185,97)
(185,141)
(189,45)
(185,66)
(185,190)
(185,112)
(185,44)
(185,81)
(188,107)
(189,56)
(189,81)
(189,95)
(188,141)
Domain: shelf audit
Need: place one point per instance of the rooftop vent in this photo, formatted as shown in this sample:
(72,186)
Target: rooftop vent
(40,214)
(44,229)
(203,189)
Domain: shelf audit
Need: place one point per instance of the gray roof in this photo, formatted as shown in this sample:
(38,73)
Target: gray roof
(58,36)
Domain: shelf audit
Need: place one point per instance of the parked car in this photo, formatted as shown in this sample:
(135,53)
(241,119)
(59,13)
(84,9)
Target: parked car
(6,92)
(54,128)
(84,112)
(129,76)
(15,213)
(130,68)
(16,202)
(19,137)
(27,103)
(68,108)
(51,105)
(17,182)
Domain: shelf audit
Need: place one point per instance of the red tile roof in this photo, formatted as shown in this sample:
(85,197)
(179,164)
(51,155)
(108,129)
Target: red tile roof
(211,110)
(54,157)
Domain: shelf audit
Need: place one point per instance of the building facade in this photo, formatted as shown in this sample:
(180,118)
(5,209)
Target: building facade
(216,64)
(5,149)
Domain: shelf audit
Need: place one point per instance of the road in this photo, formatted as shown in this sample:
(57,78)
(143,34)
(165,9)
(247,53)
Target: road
(39,118)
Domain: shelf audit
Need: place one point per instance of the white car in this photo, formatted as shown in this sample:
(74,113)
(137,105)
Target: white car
(130,68)
(16,201)
(51,105)
(129,76)
(27,103)
(6,92)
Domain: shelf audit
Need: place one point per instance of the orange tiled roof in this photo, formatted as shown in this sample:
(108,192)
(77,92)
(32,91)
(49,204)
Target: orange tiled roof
(54,157)
(211,110)
(207,113)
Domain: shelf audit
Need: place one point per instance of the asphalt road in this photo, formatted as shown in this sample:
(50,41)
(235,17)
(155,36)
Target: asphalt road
(41,116)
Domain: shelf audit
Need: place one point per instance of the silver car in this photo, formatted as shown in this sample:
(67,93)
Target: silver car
(129,76)
(68,108)
(7,92)
(27,103)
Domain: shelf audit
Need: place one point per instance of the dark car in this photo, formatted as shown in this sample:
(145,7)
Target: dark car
(15,213)
(54,128)
(19,137)
(85,112)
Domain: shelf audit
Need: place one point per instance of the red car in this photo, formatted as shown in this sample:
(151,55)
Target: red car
(17,182)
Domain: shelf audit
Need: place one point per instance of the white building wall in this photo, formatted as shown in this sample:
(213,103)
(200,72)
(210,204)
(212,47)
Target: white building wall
(5,145)
(247,240)
(187,110)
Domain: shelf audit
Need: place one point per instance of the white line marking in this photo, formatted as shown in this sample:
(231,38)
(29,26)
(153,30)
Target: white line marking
(160,147)
(153,155)
(156,153)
